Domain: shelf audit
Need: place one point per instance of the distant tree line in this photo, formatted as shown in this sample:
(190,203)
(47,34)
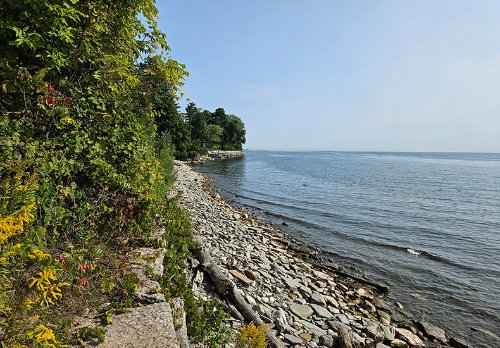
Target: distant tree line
(196,131)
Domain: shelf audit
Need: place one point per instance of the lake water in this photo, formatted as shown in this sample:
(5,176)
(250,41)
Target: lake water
(367,210)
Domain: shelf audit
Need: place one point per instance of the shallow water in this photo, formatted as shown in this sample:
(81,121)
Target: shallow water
(427,224)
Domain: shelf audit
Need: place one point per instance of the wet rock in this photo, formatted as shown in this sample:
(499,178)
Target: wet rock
(302,311)
(433,331)
(458,343)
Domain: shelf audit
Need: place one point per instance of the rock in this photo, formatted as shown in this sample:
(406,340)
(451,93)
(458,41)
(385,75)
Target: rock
(302,311)
(243,278)
(327,341)
(433,331)
(280,320)
(293,339)
(369,307)
(142,327)
(399,344)
(317,298)
(458,343)
(251,301)
(322,312)
(335,325)
(313,328)
(384,317)
(179,321)
(292,284)
(362,292)
(332,301)
(410,337)
(381,345)
(306,336)
(389,333)
(375,329)
(251,275)
(343,318)
(305,291)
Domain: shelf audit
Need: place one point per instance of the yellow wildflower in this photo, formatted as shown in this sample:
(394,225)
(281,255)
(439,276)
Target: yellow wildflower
(49,292)
(43,336)
(43,279)
(38,255)
(28,304)
(13,224)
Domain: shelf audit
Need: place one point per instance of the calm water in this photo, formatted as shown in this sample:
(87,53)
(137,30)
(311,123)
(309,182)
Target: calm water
(367,209)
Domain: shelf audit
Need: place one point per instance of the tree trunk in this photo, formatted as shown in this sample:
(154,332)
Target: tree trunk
(227,289)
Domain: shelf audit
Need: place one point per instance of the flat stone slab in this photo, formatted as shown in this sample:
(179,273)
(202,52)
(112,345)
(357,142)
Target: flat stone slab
(321,311)
(433,331)
(302,311)
(142,327)
(241,277)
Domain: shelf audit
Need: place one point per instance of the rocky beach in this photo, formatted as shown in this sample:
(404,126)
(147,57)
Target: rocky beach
(305,304)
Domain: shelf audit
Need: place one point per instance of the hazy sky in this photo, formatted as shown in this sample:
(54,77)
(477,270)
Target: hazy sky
(345,75)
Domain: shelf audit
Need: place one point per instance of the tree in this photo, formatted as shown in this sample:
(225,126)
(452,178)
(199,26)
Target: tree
(234,133)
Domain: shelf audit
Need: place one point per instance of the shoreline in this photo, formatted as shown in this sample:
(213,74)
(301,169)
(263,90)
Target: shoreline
(306,304)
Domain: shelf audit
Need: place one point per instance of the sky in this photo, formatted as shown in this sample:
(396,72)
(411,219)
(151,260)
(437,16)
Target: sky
(345,75)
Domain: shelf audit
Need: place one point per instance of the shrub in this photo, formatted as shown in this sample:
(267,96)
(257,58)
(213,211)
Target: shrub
(252,336)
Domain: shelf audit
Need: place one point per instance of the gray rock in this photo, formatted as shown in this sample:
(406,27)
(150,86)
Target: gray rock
(335,325)
(321,311)
(305,291)
(433,331)
(179,321)
(292,284)
(142,327)
(343,318)
(389,333)
(317,298)
(326,340)
(332,301)
(280,320)
(313,328)
(302,311)
(293,339)
(375,329)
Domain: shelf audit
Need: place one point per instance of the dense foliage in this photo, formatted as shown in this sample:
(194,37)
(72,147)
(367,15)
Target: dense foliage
(197,131)
(86,136)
